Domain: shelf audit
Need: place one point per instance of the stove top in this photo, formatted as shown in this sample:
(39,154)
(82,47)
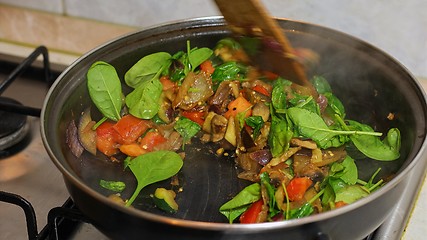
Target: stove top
(28,176)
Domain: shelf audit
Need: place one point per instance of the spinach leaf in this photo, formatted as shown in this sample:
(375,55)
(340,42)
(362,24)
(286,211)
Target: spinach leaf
(144,101)
(311,125)
(305,102)
(228,42)
(186,128)
(279,95)
(350,193)
(279,136)
(256,123)
(303,211)
(226,71)
(198,56)
(153,167)
(335,106)
(105,89)
(240,203)
(321,84)
(372,146)
(265,181)
(115,186)
(345,170)
(147,68)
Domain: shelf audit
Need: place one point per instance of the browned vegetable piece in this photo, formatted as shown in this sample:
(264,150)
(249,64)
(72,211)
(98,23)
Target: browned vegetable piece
(87,136)
(195,89)
(226,92)
(262,110)
(303,168)
(218,127)
(72,139)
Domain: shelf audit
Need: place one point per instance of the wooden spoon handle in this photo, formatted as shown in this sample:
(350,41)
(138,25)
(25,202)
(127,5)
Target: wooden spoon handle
(251,15)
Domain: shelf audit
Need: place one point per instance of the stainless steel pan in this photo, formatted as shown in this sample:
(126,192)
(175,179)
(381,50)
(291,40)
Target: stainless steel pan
(370,83)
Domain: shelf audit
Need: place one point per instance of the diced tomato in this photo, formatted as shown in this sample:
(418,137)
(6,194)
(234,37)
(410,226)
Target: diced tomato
(133,149)
(240,104)
(297,188)
(262,90)
(150,140)
(106,139)
(251,214)
(167,83)
(270,75)
(340,204)
(130,128)
(195,116)
(207,67)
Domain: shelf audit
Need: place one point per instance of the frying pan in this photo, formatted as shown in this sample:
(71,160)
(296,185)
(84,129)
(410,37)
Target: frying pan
(370,83)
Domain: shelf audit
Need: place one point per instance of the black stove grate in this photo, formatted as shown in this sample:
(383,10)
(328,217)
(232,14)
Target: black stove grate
(22,67)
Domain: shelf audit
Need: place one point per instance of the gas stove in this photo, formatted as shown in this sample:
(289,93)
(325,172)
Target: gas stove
(34,202)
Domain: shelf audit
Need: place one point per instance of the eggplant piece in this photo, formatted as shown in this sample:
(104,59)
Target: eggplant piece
(86,135)
(261,109)
(72,139)
(303,168)
(218,127)
(226,92)
(230,132)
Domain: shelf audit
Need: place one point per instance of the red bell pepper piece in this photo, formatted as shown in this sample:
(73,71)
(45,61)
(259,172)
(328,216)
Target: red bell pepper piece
(251,214)
(106,139)
(207,67)
(262,90)
(297,188)
(195,116)
(167,83)
(130,128)
(150,140)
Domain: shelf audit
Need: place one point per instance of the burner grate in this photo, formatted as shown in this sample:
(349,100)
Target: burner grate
(14,128)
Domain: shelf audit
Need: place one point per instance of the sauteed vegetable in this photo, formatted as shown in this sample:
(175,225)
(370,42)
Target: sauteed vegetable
(294,150)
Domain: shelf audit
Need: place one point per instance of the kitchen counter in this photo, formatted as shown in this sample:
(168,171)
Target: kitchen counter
(21,30)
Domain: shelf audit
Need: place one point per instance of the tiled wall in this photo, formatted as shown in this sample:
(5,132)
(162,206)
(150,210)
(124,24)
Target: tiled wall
(395,26)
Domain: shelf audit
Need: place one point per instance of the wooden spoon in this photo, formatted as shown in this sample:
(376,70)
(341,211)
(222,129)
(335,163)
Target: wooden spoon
(250,18)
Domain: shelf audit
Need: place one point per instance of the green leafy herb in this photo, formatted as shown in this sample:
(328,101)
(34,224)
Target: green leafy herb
(105,89)
(147,68)
(226,71)
(279,137)
(115,186)
(198,56)
(186,128)
(228,42)
(372,146)
(335,106)
(305,210)
(350,193)
(345,170)
(321,84)
(279,95)
(143,101)
(153,167)
(240,203)
(256,123)
(311,125)
(265,182)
